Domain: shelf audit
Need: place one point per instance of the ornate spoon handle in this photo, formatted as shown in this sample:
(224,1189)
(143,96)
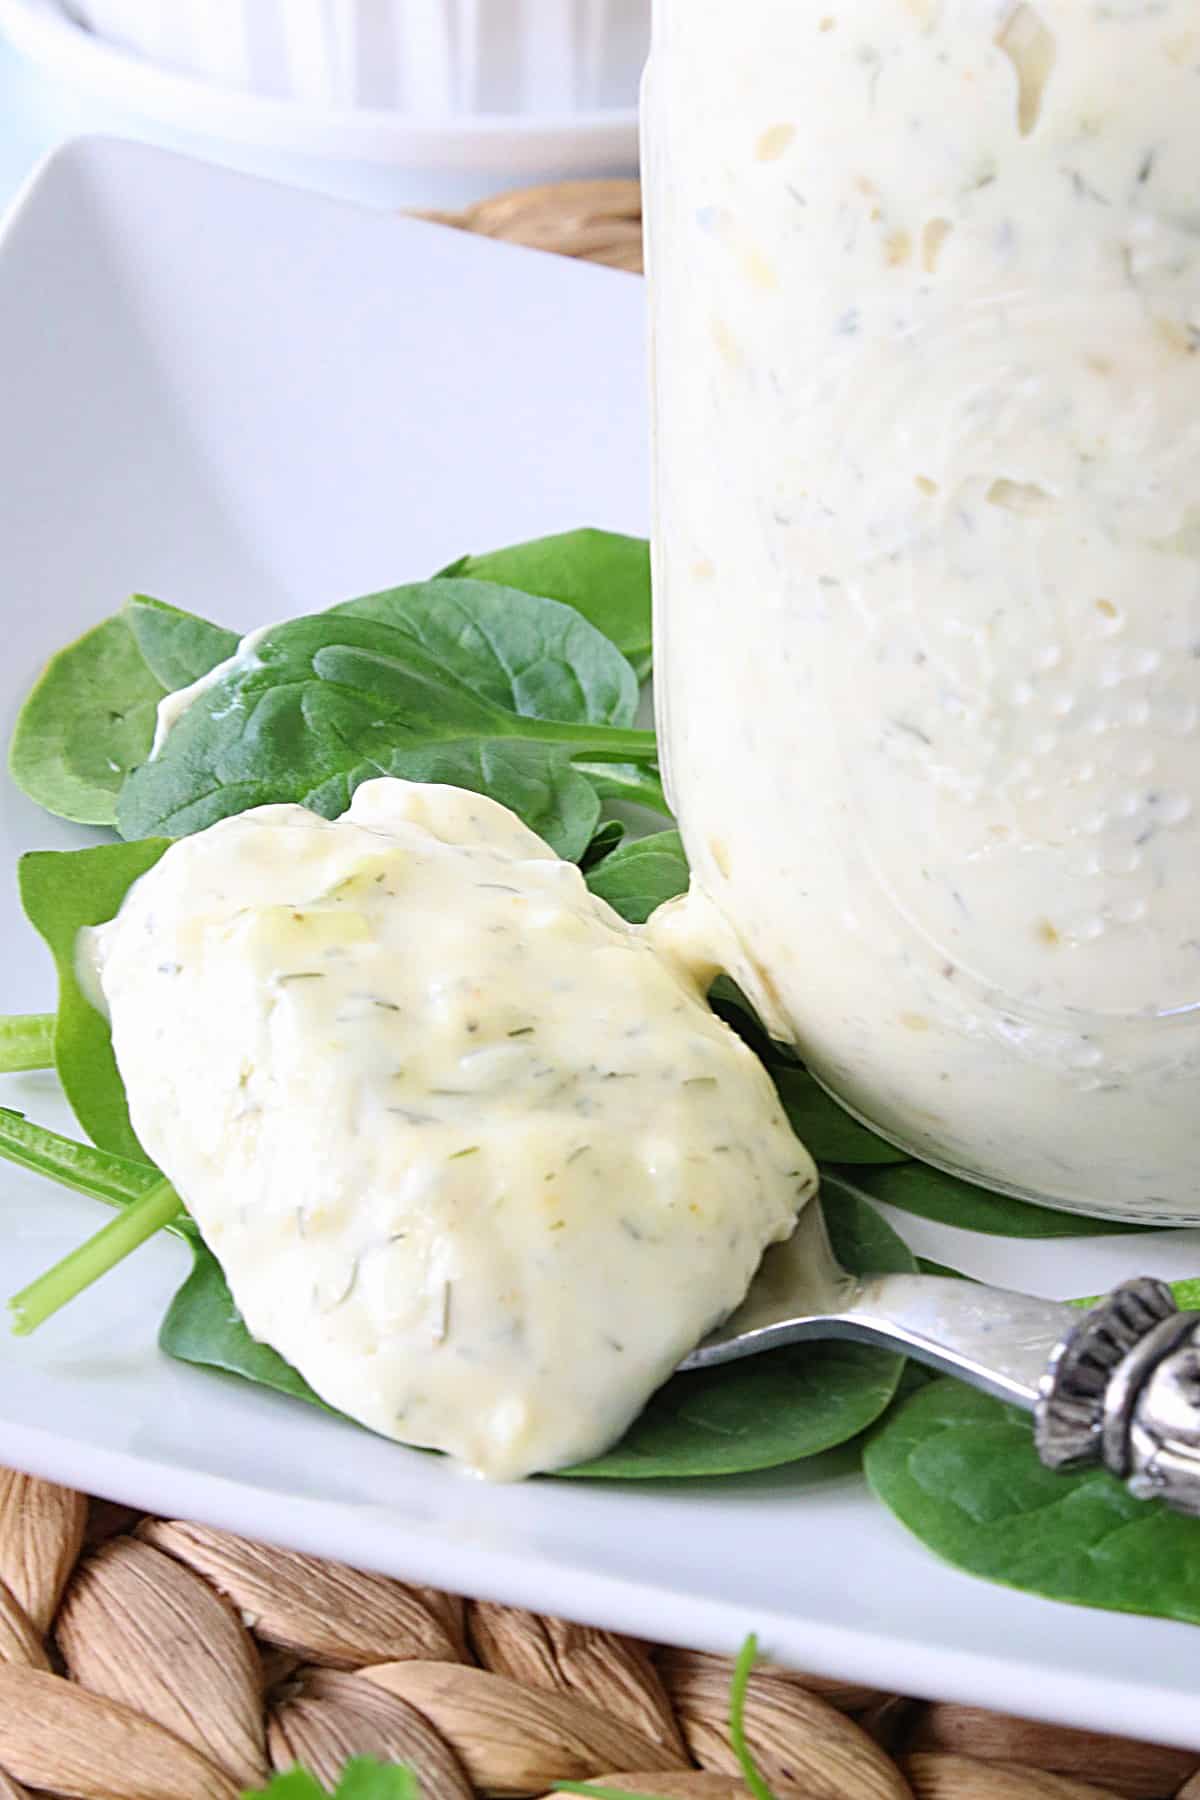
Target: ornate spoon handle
(1123,1389)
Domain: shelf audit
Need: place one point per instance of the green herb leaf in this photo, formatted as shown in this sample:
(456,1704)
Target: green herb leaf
(601,574)
(176,646)
(335,699)
(641,875)
(743,1669)
(916,1188)
(363,1778)
(294,1784)
(826,1130)
(62,891)
(26,1042)
(960,1471)
(772,1409)
(87,721)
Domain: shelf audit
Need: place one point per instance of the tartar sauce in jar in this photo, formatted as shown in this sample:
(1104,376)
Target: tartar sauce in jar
(926,290)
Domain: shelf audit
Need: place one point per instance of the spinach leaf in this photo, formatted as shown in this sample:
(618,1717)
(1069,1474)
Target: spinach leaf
(26,1042)
(529,655)
(931,1194)
(202,1325)
(729,1003)
(629,784)
(335,699)
(62,891)
(602,574)
(605,840)
(748,1415)
(641,875)
(176,646)
(960,1471)
(761,1413)
(776,1408)
(826,1130)
(87,721)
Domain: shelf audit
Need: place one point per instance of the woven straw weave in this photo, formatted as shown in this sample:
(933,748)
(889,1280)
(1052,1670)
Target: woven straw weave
(152,1659)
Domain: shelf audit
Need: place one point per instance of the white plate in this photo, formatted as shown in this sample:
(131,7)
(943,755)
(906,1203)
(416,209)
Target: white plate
(253,402)
(392,158)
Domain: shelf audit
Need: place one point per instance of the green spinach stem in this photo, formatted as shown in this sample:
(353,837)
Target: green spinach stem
(86,1264)
(26,1042)
(98,1173)
(605,743)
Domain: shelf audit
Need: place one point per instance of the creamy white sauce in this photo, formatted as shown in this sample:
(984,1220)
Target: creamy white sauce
(173,706)
(926,280)
(474,1154)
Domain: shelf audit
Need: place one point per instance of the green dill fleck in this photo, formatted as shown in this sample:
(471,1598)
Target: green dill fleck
(471,1150)
(522,1031)
(346,1292)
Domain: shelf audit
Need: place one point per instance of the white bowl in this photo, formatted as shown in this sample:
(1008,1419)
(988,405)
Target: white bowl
(425,58)
(379,154)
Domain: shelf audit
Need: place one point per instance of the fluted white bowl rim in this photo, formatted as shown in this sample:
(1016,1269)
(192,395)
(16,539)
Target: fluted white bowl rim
(45,32)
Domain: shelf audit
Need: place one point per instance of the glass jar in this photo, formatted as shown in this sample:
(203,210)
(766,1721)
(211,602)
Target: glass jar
(926,301)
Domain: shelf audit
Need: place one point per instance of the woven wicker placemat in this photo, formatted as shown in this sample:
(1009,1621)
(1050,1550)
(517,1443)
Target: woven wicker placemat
(152,1659)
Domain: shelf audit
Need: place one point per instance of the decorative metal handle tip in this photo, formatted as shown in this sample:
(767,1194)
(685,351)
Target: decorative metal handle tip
(1123,1390)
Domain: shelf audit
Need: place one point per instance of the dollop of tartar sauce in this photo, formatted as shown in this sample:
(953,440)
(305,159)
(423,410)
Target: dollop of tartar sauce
(173,706)
(926,288)
(474,1154)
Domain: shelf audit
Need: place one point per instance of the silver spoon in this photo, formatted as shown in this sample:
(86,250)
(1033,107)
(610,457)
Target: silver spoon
(1118,1385)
